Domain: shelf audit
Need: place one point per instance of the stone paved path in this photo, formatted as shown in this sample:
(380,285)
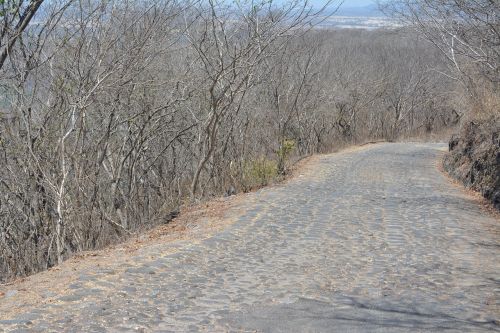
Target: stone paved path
(374,240)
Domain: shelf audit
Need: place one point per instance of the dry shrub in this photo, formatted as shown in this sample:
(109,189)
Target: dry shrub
(259,172)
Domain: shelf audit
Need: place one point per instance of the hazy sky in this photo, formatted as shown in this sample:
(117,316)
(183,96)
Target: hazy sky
(357,3)
(345,5)
(348,3)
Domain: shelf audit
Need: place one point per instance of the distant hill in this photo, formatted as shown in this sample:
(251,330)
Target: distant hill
(359,17)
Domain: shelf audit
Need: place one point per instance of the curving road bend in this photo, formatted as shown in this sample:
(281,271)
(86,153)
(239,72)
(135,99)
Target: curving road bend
(370,240)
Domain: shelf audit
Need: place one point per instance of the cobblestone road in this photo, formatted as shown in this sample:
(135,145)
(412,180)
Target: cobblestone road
(373,240)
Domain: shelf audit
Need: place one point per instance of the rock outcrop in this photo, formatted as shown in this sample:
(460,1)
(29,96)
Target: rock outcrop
(474,158)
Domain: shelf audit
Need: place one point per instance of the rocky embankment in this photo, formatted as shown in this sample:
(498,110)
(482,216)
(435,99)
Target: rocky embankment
(474,158)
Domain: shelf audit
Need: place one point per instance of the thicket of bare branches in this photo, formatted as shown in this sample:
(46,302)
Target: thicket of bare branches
(114,113)
(468,34)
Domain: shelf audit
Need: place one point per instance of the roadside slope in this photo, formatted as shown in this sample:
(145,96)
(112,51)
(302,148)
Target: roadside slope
(374,239)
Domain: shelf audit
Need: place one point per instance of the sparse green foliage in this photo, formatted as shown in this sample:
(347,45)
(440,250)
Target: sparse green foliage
(259,172)
(286,148)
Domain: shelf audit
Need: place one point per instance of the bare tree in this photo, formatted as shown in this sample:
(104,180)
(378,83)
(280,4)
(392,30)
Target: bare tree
(467,32)
(231,42)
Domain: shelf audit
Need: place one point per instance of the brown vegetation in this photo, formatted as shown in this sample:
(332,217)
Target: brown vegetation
(115,113)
